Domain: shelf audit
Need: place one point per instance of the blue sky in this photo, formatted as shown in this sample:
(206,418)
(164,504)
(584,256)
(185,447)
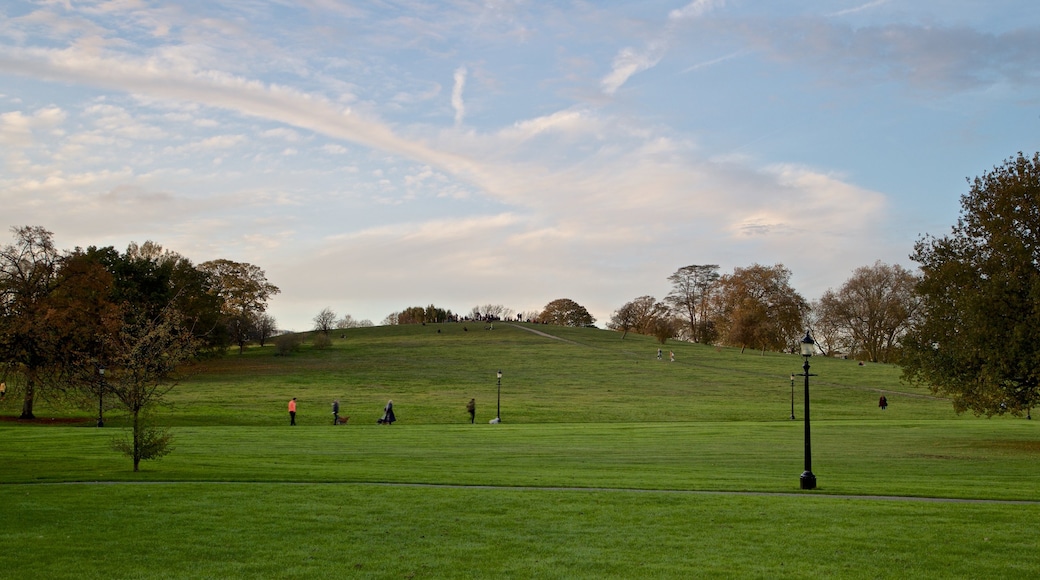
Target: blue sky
(371,156)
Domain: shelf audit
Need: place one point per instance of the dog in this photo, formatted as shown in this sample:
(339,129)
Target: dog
(342,420)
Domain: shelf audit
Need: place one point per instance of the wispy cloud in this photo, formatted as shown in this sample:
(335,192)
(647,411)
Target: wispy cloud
(456,95)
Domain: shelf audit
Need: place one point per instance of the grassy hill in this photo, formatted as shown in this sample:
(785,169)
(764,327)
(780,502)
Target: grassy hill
(550,375)
(609,463)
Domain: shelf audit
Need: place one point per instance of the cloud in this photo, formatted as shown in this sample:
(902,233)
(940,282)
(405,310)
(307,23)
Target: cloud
(631,61)
(456,95)
(919,56)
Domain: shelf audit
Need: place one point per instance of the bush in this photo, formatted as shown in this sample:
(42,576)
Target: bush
(287,344)
(322,341)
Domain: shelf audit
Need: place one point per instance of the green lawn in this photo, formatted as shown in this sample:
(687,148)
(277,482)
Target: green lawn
(608,463)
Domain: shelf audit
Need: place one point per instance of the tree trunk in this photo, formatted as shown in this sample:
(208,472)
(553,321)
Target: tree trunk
(137,441)
(27,402)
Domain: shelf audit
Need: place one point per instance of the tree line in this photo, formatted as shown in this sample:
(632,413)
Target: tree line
(98,324)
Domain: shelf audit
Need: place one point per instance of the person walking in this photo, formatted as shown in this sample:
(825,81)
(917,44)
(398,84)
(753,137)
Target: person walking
(671,356)
(658,354)
(292,412)
(3,390)
(471,408)
(335,412)
(388,413)
(883,403)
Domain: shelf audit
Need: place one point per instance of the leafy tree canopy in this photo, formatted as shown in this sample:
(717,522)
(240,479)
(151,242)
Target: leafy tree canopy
(978,340)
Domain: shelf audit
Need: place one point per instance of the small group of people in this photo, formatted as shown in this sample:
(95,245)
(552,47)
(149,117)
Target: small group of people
(671,355)
(387,419)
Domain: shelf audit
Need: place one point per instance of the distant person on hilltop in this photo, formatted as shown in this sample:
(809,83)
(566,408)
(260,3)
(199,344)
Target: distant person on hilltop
(335,412)
(658,354)
(471,408)
(292,412)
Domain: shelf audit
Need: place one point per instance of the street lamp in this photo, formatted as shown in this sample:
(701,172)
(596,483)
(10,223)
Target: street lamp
(791,397)
(101,399)
(498,412)
(808,480)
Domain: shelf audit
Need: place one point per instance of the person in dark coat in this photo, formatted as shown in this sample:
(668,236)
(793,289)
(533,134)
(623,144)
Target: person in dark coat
(388,413)
(471,408)
(335,412)
(883,403)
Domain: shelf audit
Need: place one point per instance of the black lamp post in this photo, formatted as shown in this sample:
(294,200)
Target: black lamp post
(793,397)
(808,480)
(498,412)
(101,399)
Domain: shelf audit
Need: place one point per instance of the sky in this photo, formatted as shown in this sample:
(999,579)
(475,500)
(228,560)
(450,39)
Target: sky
(372,156)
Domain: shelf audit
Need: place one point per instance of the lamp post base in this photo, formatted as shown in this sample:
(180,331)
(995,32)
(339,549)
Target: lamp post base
(808,480)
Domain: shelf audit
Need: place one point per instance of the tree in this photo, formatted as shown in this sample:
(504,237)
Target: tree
(642,316)
(978,338)
(872,310)
(324,320)
(149,350)
(757,306)
(243,290)
(566,312)
(265,326)
(28,276)
(692,286)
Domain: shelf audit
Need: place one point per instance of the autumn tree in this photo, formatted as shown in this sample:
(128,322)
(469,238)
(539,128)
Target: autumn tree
(872,310)
(756,306)
(978,337)
(28,277)
(692,286)
(243,290)
(642,315)
(565,312)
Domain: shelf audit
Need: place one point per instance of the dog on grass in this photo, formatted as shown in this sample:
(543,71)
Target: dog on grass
(342,420)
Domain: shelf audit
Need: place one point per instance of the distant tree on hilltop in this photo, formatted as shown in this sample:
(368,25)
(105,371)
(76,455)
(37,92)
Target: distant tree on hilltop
(566,312)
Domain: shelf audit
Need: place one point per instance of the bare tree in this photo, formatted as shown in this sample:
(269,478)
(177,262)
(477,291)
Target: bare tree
(145,357)
(325,320)
(692,286)
(265,327)
(872,310)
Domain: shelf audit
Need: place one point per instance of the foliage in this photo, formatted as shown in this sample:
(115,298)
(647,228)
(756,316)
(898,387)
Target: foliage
(565,312)
(288,343)
(978,340)
(692,287)
(243,290)
(871,311)
(644,315)
(419,315)
(148,352)
(28,275)
(321,341)
(757,306)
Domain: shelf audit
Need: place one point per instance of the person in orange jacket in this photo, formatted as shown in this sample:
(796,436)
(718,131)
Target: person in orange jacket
(292,411)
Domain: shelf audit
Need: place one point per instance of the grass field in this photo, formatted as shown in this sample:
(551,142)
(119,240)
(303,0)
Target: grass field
(608,463)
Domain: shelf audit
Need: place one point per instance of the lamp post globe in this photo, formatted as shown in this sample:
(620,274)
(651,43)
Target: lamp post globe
(807,480)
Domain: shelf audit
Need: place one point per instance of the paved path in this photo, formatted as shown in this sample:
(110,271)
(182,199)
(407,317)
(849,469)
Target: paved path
(804,495)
